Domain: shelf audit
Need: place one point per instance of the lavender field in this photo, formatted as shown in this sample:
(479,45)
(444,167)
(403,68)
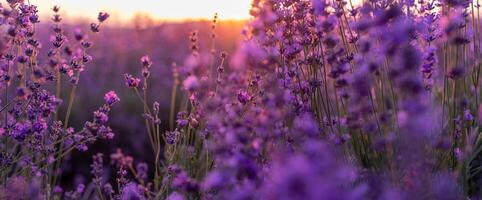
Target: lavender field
(303,100)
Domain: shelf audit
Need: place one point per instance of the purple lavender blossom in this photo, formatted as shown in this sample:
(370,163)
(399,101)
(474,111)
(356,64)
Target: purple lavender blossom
(111,98)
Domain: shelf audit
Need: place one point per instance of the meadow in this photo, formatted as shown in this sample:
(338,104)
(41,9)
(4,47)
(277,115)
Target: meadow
(307,99)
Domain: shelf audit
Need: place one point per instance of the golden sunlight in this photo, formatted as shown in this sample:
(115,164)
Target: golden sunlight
(159,9)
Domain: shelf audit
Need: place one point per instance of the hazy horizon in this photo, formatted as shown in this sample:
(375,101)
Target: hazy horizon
(124,11)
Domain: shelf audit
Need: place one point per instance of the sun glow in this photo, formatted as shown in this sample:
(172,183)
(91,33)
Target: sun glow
(158,9)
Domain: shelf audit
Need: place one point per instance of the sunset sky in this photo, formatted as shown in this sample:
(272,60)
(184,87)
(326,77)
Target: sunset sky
(122,10)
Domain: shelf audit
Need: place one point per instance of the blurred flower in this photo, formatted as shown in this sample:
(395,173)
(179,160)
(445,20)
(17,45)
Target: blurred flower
(131,82)
(176,196)
(131,191)
(103,16)
(191,83)
(111,98)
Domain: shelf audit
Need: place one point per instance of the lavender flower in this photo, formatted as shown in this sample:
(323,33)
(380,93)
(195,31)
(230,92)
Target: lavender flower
(191,83)
(131,82)
(111,98)
(131,191)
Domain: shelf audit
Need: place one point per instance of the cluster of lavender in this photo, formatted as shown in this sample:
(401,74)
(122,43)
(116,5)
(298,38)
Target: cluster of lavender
(34,139)
(322,100)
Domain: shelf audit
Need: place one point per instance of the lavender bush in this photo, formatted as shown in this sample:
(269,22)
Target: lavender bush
(35,137)
(321,100)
